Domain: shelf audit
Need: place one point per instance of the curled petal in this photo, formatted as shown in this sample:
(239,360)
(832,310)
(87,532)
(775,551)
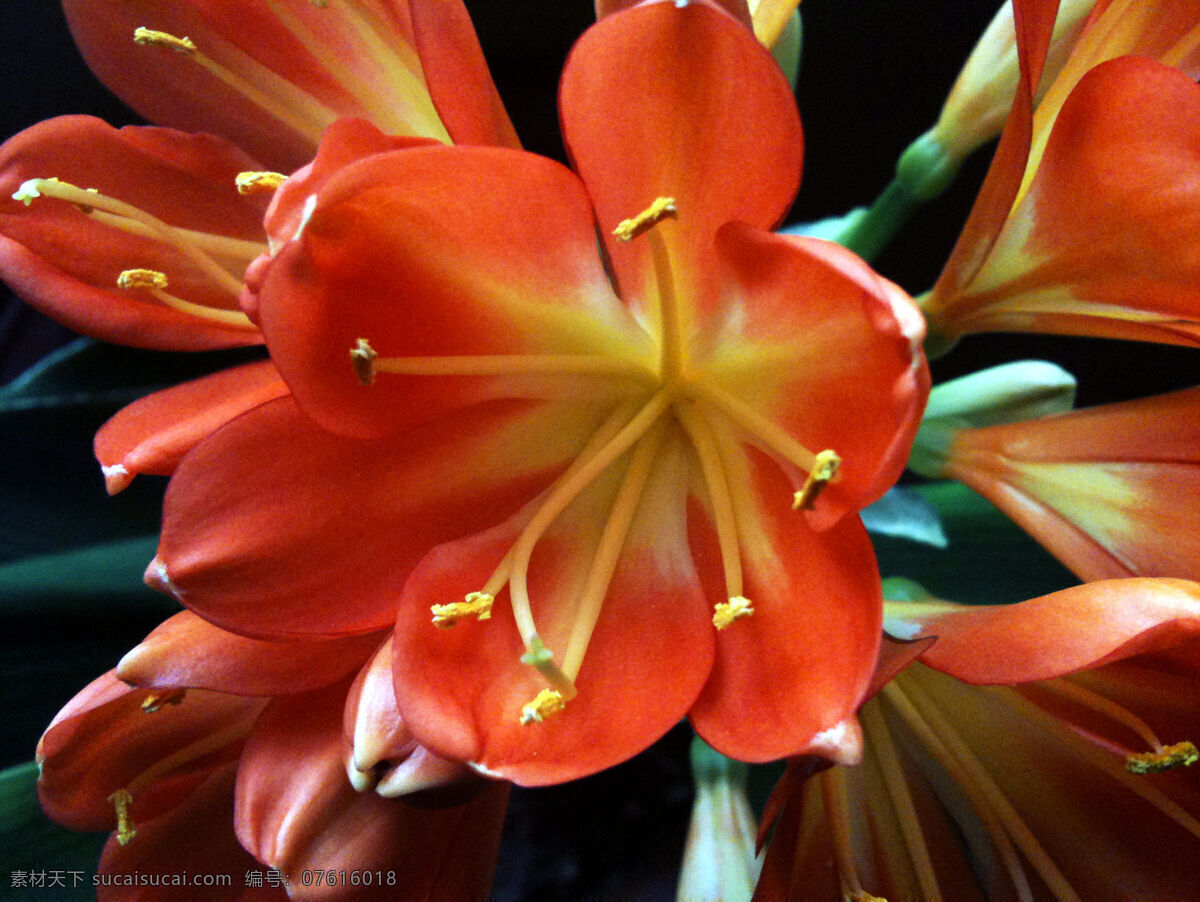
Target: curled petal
(184,181)
(296,810)
(1106,495)
(243,522)
(1075,629)
(679,100)
(152,434)
(187,652)
(463,691)
(788,678)
(438,253)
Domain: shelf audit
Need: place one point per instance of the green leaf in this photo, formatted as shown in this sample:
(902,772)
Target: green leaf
(988,559)
(32,842)
(905,514)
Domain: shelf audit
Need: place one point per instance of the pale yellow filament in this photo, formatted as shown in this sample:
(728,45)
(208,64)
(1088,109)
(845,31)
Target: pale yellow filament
(837,816)
(724,518)
(1107,707)
(989,817)
(608,551)
(301,112)
(887,758)
(753,422)
(1054,879)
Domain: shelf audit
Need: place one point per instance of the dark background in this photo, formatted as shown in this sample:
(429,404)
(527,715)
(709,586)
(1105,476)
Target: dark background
(873,77)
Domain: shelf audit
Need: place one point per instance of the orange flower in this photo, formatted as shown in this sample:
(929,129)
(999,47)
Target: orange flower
(1085,223)
(1038,751)
(262,778)
(169,220)
(597,488)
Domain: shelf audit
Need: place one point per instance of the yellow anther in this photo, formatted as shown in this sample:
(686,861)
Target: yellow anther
(142,278)
(258,182)
(121,800)
(150,37)
(477,604)
(863,896)
(547,702)
(629,229)
(362,357)
(725,612)
(1181,754)
(824,469)
(156,700)
(31,189)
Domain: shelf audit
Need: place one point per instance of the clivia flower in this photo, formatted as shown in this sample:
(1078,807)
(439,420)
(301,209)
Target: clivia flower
(1035,751)
(1085,224)
(168,220)
(1111,491)
(624,481)
(247,744)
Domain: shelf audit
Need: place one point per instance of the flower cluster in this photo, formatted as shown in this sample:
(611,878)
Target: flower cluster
(535,461)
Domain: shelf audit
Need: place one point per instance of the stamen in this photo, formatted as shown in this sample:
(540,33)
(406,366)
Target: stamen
(1181,754)
(562,494)
(89,200)
(155,700)
(839,819)
(628,229)
(726,612)
(754,422)
(121,800)
(883,750)
(992,821)
(724,516)
(1099,756)
(154,282)
(148,37)
(476,604)
(253,182)
(368,364)
(130,279)
(608,550)
(545,703)
(1054,879)
(1089,699)
(824,469)
(362,358)
(290,105)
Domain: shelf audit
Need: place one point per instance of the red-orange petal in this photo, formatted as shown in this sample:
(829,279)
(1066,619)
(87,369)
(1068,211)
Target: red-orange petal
(152,434)
(296,810)
(167,846)
(1074,629)
(440,252)
(252,507)
(300,67)
(1112,490)
(813,340)
(187,652)
(1102,242)
(104,740)
(788,678)
(462,690)
(184,180)
(679,100)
